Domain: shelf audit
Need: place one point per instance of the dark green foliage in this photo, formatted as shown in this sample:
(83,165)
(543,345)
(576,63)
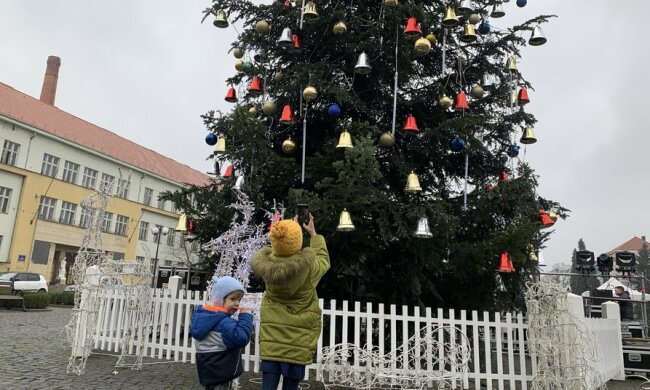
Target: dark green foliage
(62,298)
(381,260)
(36,300)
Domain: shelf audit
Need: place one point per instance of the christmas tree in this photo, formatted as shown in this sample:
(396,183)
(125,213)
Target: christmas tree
(407,118)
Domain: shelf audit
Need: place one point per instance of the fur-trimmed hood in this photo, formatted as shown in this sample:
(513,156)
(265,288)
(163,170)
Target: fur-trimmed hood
(282,270)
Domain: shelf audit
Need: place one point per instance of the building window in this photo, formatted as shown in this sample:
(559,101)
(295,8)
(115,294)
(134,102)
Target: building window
(148,194)
(9,153)
(170,237)
(106,221)
(144,229)
(172,207)
(1,241)
(161,204)
(139,259)
(122,188)
(181,244)
(107,183)
(120,225)
(85,220)
(5,194)
(67,213)
(70,171)
(50,165)
(90,178)
(168,263)
(46,209)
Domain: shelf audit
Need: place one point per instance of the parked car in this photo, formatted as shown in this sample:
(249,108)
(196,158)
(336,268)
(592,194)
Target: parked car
(25,281)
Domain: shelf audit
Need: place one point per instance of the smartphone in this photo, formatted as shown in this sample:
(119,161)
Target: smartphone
(303,214)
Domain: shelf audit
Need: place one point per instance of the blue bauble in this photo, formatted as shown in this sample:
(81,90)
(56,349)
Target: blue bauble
(457,144)
(211,139)
(522,3)
(485,27)
(513,151)
(334,111)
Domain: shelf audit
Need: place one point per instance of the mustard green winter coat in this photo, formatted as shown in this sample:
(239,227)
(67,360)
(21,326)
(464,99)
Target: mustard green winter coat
(290,315)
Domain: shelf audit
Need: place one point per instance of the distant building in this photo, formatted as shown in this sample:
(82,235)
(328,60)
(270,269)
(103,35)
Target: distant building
(634,244)
(51,160)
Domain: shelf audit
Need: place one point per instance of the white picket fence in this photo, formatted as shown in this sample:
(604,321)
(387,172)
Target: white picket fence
(499,355)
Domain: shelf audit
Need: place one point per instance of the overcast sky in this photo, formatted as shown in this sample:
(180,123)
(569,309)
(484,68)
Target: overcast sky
(146,70)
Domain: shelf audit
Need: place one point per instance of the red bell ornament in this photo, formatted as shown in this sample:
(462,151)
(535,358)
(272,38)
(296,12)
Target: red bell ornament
(287,115)
(522,96)
(255,88)
(412,29)
(505,264)
(297,48)
(547,221)
(231,95)
(411,124)
(460,102)
(504,176)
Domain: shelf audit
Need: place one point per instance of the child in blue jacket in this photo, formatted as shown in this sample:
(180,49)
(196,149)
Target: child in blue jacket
(218,338)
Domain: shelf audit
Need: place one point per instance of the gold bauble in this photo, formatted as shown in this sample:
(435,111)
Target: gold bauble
(262,27)
(298,3)
(431,37)
(474,18)
(340,28)
(445,102)
(391,3)
(422,46)
(552,215)
(238,65)
(387,140)
(309,94)
(278,76)
(238,52)
(269,107)
(252,111)
(288,146)
(477,91)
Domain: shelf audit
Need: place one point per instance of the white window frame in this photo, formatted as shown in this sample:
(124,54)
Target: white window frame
(70,172)
(67,213)
(171,236)
(89,179)
(50,165)
(123,188)
(148,196)
(10,152)
(107,219)
(144,231)
(121,223)
(46,208)
(5,198)
(107,183)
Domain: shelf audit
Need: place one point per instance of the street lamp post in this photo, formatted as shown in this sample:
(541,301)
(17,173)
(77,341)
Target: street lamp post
(156,231)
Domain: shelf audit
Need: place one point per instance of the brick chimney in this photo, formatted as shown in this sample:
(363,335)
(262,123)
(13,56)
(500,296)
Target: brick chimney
(643,238)
(48,92)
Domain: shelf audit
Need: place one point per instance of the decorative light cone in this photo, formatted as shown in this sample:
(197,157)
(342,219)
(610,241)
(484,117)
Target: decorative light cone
(220,19)
(340,28)
(387,140)
(345,222)
(262,27)
(238,65)
(511,63)
(469,34)
(412,183)
(505,263)
(477,91)
(484,28)
(345,140)
(529,136)
(522,96)
(474,18)
(423,230)
(239,183)
(422,46)
(269,107)
(503,176)
(362,66)
(309,94)
(465,7)
(238,52)
(182,223)
(545,219)
(310,14)
(287,115)
(221,145)
(391,3)
(497,11)
(285,40)
(231,95)
(445,102)
(412,29)
(537,38)
(255,88)
(296,48)
(288,146)
(450,20)
(411,124)
(461,101)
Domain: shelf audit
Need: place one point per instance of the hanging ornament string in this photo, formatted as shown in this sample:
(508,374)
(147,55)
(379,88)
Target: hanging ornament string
(466,180)
(304,146)
(444,52)
(396,77)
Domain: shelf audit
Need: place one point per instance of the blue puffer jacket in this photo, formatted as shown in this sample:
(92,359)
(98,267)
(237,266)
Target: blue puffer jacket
(218,340)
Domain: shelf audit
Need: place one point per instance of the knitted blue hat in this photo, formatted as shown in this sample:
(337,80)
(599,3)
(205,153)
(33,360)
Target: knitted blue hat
(222,286)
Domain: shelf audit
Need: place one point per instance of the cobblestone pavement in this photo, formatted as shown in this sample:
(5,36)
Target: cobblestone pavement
(33,356)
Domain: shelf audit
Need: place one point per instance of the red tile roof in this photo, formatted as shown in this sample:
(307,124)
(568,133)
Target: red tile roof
(633,244)
(28,110)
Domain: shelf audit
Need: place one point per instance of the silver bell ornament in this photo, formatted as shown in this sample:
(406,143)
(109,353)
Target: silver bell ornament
(285,41)
(362,66)
(423,230)
(537,38)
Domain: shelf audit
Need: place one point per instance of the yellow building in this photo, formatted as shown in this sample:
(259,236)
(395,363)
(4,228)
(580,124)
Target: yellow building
(51,160)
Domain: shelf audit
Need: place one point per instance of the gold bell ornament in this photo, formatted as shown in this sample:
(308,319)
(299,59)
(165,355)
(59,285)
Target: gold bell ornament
(445,102)
(422,46)
(269,107)
(182,223)
(391,3)
(310,13)
(288,146)
(450,20)
(477,91)
(387,140)
(220,19)
(262,27)
(278,76)
(431,37)
(469,34)
(238,52)
(345,222)
(345,140)
(412,183)
(423,230)
(285,41)
(339,28)
(511,63)
(220,147)
(252,111)
(309,94)
(238,65)
(529,136)
(532,253)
